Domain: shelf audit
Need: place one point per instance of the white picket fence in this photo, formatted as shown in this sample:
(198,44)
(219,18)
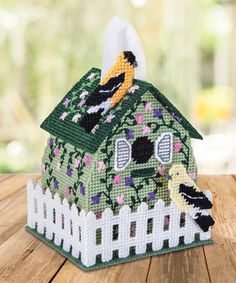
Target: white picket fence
(77,232)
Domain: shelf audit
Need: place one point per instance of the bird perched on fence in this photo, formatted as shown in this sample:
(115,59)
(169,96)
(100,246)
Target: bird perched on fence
(188,198)
(110,91)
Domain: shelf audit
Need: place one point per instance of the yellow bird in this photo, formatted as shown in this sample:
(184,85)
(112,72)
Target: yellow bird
(188,198)
(110,91)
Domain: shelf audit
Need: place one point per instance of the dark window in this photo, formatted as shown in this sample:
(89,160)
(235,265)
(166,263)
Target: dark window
(142,150)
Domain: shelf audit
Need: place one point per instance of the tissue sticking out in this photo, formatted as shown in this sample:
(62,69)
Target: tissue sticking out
(110,91)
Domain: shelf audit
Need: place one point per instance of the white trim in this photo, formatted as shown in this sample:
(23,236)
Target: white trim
(77,234)
(171,147)
(116,154)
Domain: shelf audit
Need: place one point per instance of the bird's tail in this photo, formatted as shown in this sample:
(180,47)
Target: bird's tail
(204,222)
(90,120)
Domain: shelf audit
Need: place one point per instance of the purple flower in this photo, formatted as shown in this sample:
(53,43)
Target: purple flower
(69,171)
(176,117)
(151,196)
(56,184)
(158,113)
(95,199)
(81,103)
(129,182)
(66,101)
(82,190)
(130,135)
(50,142)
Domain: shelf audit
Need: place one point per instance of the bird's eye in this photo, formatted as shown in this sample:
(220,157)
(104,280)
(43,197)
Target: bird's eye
(177,173)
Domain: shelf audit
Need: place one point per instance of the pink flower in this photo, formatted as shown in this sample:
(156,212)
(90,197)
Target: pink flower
(87,160)
(120,199)
(139,118)
(110,118)
(66,101)
(56,152)
(193,175)
(145,130)
(98,214)
(101,165)
(63,116)
(148,107)
(77,162)
(116,180)
(161,170)
(58,166)
(91,76)
(68,192)
(177,146)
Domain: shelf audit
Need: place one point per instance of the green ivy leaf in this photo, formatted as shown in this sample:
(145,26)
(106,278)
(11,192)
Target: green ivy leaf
(48,183)
(139,187)
(108,201)
(109,188)
(184,139)
(76,199)
(156,128)
(176,134)
(133,199)
(103,150)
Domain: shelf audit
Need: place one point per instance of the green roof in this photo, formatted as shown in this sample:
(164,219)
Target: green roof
(72,133)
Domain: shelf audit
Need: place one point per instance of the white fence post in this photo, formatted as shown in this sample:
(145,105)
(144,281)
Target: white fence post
(106,235)
(141,230)
(158,225)
(40,217)
(31,204)
(124,231)
(174,226)
(88,234)
(78,231)
(49,212)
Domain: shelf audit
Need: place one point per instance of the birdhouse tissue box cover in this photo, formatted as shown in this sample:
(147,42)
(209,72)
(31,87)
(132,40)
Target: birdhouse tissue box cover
(118,173)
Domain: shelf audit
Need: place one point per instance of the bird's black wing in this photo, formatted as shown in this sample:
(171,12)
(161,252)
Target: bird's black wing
(195,198)
(103,92)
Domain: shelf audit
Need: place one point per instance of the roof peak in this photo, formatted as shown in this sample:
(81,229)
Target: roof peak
(72,133)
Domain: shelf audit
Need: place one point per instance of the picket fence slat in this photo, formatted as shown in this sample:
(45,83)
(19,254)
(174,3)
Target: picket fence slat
(87,237)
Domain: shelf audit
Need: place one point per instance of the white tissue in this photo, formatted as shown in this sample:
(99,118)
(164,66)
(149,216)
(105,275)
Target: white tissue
(120,36)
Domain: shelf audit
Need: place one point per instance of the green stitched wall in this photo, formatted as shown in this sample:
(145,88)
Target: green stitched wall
(92,182)
(66,170)
(144,188)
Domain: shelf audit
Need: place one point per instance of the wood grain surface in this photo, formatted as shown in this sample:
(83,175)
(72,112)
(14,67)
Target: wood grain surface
(23,258)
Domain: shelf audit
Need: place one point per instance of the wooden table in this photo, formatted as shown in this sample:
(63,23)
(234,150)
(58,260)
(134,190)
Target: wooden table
(23,258)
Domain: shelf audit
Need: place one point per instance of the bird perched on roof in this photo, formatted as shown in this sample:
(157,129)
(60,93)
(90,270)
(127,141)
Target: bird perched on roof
(110,91)
(188,198)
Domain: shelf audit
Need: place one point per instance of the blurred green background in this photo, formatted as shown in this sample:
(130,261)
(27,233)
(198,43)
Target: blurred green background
(46,46)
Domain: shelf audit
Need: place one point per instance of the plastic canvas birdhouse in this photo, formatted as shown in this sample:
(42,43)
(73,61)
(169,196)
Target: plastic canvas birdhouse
(106,192)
